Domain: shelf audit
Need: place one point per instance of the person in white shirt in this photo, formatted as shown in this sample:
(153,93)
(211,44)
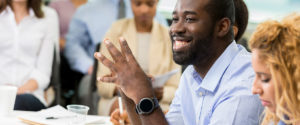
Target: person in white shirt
(28,34)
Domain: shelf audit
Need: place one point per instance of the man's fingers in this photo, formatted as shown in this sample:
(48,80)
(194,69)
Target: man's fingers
(114,52)
(109,64)
(125,49)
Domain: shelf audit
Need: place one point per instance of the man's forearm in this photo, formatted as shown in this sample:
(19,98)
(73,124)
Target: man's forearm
(157,117)
(130,107)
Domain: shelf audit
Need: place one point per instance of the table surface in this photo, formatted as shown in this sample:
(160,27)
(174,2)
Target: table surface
(12,119)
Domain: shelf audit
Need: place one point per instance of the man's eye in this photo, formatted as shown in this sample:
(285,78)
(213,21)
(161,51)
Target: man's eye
(189,19)
(174,19)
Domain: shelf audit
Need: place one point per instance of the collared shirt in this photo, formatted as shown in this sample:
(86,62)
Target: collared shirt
(27,48)
(222,97)
(88,27)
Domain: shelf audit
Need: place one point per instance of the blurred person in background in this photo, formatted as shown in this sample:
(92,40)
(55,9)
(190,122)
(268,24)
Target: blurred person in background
(29,32)
(65,10)
(151,45)
(87,29)
(276,56)
(69,78)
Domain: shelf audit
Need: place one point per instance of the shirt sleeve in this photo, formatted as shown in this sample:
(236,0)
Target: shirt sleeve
(237,110)
(174,116)
(171,86)
(43,68)
(75,51)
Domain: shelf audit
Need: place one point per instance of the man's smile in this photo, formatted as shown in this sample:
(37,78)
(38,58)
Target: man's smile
(179,44)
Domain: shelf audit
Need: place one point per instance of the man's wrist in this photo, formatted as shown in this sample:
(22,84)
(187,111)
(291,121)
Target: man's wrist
(141,96)
(147,105)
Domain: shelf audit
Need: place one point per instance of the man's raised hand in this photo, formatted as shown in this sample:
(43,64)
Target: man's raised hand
(126,72)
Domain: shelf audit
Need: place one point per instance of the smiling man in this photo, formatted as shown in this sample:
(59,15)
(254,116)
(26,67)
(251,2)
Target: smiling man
(214,90)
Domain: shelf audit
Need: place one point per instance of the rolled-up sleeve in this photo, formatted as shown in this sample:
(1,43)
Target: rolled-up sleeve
(174,115)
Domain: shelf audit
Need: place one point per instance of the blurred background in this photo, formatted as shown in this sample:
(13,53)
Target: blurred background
(259,11)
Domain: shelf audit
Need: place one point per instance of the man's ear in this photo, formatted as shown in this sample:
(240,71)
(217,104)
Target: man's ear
(235,30)
(223,27)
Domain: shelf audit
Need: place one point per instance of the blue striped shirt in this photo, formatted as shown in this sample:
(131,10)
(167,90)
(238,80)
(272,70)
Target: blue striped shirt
(222,97)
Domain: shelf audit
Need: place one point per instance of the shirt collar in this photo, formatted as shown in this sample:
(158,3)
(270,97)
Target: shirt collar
(31,13)
(215,73)
(8,10)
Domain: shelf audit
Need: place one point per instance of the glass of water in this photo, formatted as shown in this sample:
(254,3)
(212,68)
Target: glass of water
(81,113)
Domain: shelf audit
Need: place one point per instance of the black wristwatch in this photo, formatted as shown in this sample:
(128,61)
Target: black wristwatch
(146,106)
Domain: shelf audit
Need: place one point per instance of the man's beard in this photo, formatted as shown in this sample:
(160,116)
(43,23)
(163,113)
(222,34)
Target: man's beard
(197,52)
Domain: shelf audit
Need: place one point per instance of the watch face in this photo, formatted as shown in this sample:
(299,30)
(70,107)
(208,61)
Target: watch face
(146,105)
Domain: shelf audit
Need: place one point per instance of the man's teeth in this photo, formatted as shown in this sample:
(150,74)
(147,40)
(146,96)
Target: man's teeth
(179,44)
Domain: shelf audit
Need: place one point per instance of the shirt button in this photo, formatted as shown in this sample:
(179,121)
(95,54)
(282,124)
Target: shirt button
(200,94)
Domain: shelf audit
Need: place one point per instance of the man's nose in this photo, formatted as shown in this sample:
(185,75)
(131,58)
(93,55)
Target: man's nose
(177,27)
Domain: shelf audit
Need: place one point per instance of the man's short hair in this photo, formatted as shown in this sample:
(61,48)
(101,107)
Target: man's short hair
(219,9)
(241,17)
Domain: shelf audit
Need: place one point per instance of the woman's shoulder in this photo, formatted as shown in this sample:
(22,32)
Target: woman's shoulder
(122,22)
(49,11)
(161,30)
(5,11)
(121,25)
(50,14)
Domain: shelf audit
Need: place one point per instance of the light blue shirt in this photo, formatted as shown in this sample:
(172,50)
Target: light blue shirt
(88,27)
(281,123)
(223,97)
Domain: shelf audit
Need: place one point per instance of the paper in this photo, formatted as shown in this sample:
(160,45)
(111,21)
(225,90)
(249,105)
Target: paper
(64,117)
(159,81)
